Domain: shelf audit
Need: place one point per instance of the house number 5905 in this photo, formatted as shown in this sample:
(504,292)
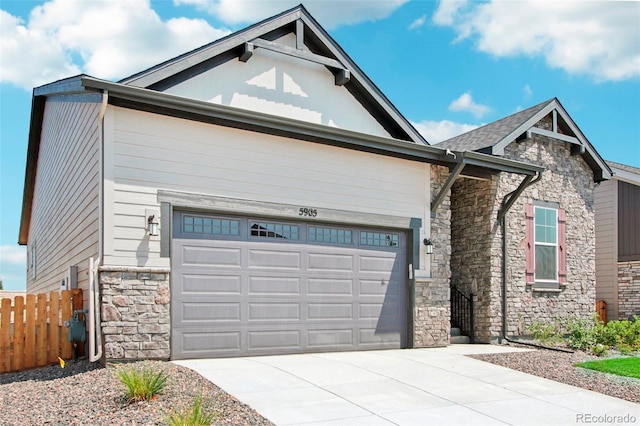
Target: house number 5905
(304,211)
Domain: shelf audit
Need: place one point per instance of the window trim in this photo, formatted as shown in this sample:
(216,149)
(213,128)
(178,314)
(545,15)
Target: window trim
(537,243)
(545,285)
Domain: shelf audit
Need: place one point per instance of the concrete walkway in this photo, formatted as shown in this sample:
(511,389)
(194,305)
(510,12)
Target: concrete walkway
(406,387)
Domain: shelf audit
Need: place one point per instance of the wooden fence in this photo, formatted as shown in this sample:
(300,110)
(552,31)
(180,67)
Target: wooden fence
(33,334)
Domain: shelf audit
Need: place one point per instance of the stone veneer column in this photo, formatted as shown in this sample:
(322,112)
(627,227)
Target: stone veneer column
(567,181)
(432,309)
(628,289)
(135,313)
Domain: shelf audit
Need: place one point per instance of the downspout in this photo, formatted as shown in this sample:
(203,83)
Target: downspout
(95,333)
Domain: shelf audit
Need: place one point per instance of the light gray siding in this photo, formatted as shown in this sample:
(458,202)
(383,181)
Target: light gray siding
(64,224)
(152,152)
(281,85)
(606,218)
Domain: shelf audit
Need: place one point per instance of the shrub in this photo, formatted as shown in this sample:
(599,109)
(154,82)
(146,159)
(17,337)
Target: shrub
(545,333)
(623,335)
(142,384)
(582,333)
(192,416)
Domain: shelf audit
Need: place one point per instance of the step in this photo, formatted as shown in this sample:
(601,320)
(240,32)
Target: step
(455,331)
(460,340)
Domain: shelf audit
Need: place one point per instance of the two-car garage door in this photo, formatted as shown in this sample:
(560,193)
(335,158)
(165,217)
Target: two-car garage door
(244,286)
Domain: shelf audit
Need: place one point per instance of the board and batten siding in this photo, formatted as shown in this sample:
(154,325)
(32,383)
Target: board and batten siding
(281,85)
(64,225)
(153,152)
(606,219)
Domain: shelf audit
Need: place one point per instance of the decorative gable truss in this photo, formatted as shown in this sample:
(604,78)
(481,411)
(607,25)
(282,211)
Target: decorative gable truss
(494,137)
(341,72)
(563,128)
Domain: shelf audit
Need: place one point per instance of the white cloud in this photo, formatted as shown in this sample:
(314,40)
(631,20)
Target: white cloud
(418,22)
(330,13)
(13,255)
(527,90)
(465,103)
(447,11)
(107,39)
(438,131)
(13,266)
(596,38)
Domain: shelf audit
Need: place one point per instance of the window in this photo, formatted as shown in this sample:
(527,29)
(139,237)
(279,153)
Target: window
(209,226)
(546,240)
(379,239)
(328,235)
(274,230)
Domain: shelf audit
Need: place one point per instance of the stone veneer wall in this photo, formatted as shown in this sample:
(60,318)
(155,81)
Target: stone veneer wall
(432,309)
(135,313)
(568,181)
(473,228)
(628,289)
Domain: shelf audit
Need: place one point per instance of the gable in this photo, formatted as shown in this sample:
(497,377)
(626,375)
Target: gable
(548,119)
(293,40)
(283,85)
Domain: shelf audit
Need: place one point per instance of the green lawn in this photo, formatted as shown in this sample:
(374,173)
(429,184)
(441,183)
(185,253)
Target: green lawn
(629,367)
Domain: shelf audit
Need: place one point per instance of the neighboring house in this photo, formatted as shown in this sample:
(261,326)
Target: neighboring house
(617,204)
(545,225)
(260,195)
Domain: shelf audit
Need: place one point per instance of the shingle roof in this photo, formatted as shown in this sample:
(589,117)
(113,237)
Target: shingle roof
(488,135)
(624,167)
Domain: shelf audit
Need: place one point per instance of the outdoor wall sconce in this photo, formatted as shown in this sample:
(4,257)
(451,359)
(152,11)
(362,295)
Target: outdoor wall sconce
(152,225)
(429,244)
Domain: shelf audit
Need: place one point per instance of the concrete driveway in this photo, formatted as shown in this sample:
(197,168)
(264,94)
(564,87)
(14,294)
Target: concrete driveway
(405,387)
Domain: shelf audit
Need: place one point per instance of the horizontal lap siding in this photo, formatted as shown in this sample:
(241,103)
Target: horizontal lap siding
(154,152)
(606,246)
(64,222)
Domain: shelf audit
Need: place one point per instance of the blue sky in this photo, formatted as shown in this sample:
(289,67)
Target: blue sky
(447,66)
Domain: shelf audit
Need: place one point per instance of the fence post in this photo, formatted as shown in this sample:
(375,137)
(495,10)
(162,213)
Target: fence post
(18,333)
(5,336)
(30,333)
(54,328)
(41,331)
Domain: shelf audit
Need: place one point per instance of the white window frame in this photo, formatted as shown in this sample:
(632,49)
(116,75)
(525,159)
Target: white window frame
(537,243)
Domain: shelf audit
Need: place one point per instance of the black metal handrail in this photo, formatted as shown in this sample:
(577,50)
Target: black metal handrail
(462,312)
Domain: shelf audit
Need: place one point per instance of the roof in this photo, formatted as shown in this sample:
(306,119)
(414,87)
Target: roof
(494,137)
(626,168)
(625,173)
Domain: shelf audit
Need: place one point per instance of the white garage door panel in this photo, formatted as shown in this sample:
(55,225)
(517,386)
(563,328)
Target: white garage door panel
(242,294)
(201,284)
(211,257)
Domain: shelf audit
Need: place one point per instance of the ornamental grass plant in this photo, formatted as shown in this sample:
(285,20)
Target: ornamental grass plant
(142,384)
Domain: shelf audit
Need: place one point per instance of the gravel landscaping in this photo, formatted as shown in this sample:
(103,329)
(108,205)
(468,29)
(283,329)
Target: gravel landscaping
(88,394)
(83,393)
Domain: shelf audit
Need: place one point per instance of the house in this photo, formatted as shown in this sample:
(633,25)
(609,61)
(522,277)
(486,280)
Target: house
(617,209)
(260,195)
(536,262)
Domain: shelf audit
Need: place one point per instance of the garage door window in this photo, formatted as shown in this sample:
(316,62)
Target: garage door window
(210,226)
(274,230)
(329,235)
(379,239)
